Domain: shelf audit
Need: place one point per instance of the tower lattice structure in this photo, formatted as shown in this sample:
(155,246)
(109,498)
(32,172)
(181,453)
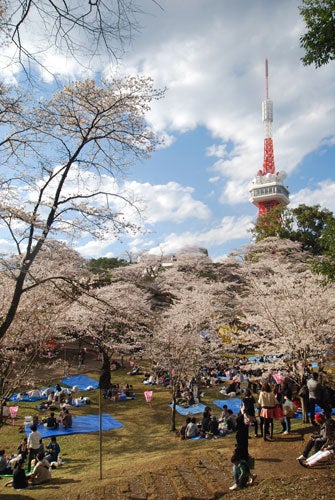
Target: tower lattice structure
(267,189)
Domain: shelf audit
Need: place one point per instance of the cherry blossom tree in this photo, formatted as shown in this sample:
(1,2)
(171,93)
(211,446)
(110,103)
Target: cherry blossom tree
(116,319)
(56,278)
(192,295)
(60,163)
(289,307)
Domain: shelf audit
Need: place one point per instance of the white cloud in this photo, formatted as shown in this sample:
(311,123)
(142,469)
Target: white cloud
(94,248)
(323,196)
(215,78)
(169,202)
(230,228)
(7,247)
(210,56)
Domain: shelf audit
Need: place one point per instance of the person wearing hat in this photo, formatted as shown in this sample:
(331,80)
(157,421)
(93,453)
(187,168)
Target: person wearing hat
(317,441)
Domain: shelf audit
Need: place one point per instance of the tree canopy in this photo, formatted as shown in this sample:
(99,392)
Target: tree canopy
(319,40)
(60,162)
(305,224)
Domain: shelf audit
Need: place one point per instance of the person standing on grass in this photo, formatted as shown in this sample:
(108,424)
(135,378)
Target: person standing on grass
(249,409)
(315,394)
(267,401)
(34,443)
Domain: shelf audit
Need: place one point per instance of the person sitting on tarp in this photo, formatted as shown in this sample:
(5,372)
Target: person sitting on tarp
(192,430)
(51,399)
(67,419)
(52,421)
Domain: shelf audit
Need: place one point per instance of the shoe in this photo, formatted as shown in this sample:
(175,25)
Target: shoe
(252,478)
(256,435)
(301,457)
(234,487)
(286,432)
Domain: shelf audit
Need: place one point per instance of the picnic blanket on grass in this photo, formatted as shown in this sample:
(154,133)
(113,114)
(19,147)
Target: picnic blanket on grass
(233,404)
(318,409)
(80,425)
(189,410)
(25,398)
(81,381)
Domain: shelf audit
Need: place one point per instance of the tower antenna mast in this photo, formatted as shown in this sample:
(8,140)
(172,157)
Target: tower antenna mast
(268,189)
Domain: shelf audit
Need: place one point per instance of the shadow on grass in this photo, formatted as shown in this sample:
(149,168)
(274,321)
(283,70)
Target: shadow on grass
(16,496)
(289,439)
(56,482)
(271,460)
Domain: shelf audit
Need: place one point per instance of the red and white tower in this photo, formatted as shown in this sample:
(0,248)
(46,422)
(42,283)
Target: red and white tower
(267,189)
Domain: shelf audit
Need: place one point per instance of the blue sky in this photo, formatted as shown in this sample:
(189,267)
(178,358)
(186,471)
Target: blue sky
(210,55)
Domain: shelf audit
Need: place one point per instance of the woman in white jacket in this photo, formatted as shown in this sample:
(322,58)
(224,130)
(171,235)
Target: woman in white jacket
(267,401)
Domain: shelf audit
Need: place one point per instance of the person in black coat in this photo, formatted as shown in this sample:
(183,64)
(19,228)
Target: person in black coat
(242,436)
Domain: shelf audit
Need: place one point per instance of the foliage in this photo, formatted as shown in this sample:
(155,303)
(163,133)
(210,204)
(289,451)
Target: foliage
(101,264)
(277,223)
(311,226)
(319,40)
(310,222)
(326,264)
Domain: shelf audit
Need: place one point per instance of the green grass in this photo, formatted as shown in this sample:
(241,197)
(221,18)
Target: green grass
(146,443)
(145,439)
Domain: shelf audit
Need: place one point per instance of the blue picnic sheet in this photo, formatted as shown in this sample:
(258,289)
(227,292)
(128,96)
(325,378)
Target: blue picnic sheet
(318,409)
(233,404)
(80,425)
(189,410)
(81,381)
(25,398)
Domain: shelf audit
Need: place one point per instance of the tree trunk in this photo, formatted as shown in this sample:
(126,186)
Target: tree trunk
(173,413)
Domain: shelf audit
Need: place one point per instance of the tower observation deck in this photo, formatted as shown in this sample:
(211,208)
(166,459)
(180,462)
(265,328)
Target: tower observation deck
(268,189)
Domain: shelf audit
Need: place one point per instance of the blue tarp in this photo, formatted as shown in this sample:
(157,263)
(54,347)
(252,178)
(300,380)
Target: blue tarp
(233,404)
(81,381)
(189,410)
(18,397)
(80,425)
(318,409)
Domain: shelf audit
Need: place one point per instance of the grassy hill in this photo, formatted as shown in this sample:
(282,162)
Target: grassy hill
(144,459)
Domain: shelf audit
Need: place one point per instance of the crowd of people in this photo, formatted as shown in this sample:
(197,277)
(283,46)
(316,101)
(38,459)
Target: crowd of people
(275,396)
(32,463)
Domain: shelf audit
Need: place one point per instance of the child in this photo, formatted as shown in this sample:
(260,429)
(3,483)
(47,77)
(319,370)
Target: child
(241,472)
